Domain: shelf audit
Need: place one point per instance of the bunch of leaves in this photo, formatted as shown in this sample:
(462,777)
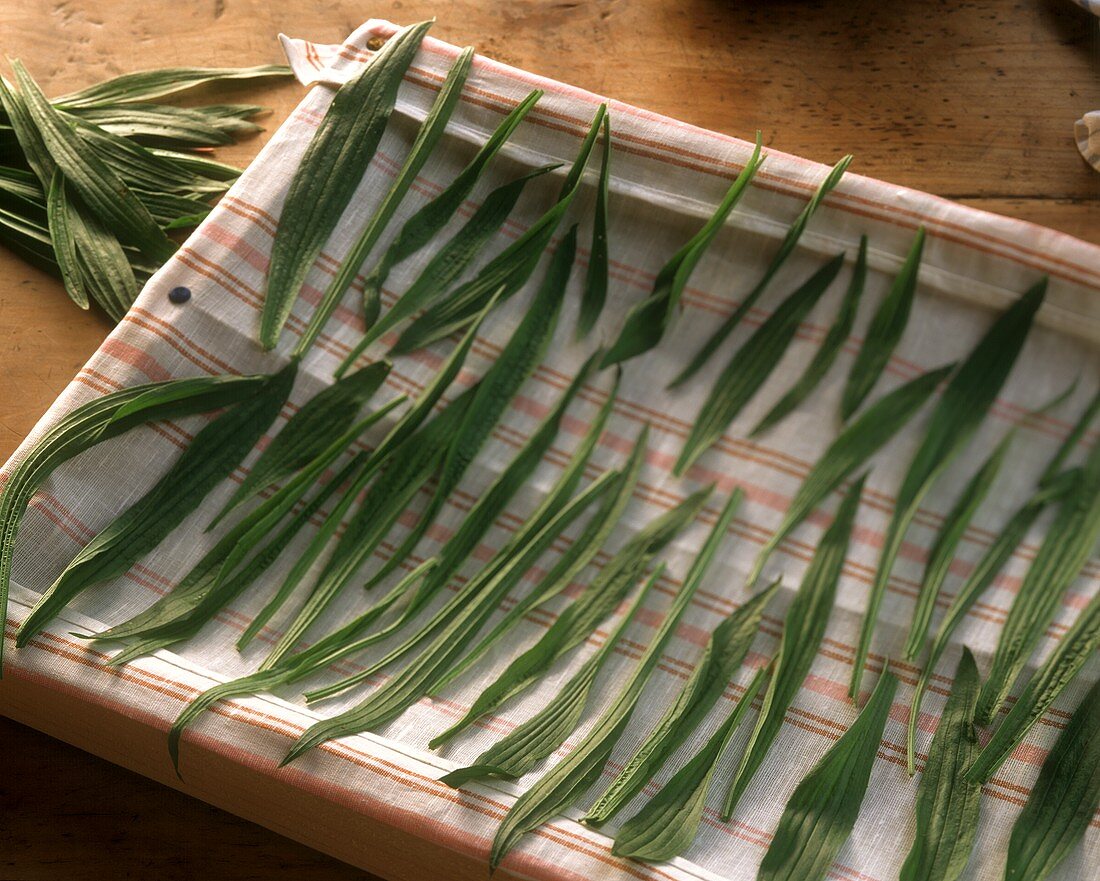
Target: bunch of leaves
(665,827)
(786,248)
(579,621)
(958,414)
(752,364)
(454,624)
(334,163)
(948,803)
(1061,557)
(1063,800)
(539,736)
(508,271)
(1078,644)
(423,227)
(647,322)
(429,134)
(567,781)
(85,194)
(350,638)
(213,453)
(820,814)
(803,629)
(1053,484)
(724,652)
(99,420)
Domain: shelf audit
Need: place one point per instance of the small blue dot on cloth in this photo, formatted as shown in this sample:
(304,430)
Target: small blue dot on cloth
(180,294)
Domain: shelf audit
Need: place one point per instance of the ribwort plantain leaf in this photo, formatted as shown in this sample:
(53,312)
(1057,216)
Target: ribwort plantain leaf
(752,364)
(647,322)
(595,282)
(884,333)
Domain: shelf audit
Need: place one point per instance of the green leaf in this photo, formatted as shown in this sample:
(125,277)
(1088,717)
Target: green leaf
(957,416)
(1061,557)
(61,235)
(563,784)
(947,541)
(786,248)
(1054,467)
(422,228)
(753,363)
(450,260)
(829,350)
(599,599)
(327,414)
(213,453)
(647,321)
(146,84)
(820,814)
(1070,654)
(164,125)
(665,827)
(538,737)
(99,420)
(151,171)
(884,332)
(855,445)
(595,281)
(1063,800)
(104,266)
(507,272)
(98,186)
(429,134)
(947,803)
(330,171)
(803,629)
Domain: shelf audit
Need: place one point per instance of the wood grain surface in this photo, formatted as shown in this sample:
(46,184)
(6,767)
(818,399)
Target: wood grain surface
(970,99)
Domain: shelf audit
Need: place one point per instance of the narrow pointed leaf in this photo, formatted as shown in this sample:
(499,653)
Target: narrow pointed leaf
(1063,800)
(830,348)
(335,161)
(823,809)
(957,416)
(753,363)
(146,84)
(647,321)
(786,248)
(595,281)
(947,803)
(884,333)
(855,445)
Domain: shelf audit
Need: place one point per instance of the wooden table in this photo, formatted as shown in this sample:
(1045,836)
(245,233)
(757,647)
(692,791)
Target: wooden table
(971,100)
